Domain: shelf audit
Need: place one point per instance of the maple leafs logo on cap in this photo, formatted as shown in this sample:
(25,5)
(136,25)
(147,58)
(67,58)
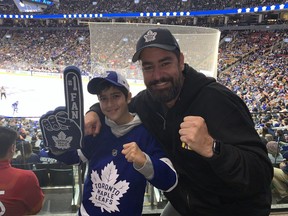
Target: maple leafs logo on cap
(150,36)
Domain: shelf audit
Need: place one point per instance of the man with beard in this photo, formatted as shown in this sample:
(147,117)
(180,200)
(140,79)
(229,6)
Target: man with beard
(206,130)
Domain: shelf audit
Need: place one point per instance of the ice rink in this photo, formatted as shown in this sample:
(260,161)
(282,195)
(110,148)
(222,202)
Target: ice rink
(37,95)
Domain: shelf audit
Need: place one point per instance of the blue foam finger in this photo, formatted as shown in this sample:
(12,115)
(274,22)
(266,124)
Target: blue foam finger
(74,97)
(63,128)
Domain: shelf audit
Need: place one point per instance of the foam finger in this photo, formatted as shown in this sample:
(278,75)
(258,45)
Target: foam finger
(53,122)
(74,95)
(46,124)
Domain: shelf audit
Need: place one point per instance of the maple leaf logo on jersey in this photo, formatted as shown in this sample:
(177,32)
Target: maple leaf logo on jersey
(106,190)
(61,141)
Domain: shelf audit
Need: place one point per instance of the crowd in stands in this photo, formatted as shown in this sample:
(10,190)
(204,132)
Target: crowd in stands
(262,57)
(253,64)
(30,148)
(44,51)
(8,7)
(118,6)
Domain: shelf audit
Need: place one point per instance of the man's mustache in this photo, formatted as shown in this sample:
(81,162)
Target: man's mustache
(164,79)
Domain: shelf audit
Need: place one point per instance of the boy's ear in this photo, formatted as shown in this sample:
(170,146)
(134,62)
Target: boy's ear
(129,96)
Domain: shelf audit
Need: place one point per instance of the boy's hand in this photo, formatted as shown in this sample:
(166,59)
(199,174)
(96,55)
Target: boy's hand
(134,154)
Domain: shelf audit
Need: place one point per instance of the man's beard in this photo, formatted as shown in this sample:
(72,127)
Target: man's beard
(167,95)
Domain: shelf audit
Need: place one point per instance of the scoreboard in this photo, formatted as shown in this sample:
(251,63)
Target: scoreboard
(43,2)
(31,6)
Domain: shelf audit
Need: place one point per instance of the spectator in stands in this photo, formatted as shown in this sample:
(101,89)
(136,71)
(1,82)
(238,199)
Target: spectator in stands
(39,142)
(20,193)
(270,129)
(20,139)
(269,137)
(25,134)
(286,137)
(285,123)
(206,130)
(33,141)
(274,153)
(27,156)
(263,133)
(279,136)
(279,182)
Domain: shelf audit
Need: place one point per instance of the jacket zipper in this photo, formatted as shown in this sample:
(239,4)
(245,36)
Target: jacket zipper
(164,120)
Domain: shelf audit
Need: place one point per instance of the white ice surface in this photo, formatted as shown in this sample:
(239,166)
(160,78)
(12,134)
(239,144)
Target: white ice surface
(38,95)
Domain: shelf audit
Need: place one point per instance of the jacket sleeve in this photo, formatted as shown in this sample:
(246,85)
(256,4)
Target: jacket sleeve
(165,177)
(70,157)
(243,160)
(96,108)
(77,156)
(158,169)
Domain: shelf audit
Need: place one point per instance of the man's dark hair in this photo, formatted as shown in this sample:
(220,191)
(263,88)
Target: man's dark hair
(177,53)
(8,137)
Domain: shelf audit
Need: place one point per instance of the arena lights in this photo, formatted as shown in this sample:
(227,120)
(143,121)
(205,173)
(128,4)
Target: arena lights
(257,9)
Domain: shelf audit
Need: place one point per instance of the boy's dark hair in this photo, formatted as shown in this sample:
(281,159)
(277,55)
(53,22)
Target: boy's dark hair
(106,85)
(8,137)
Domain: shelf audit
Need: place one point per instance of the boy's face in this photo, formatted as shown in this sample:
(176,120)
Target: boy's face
(114,105)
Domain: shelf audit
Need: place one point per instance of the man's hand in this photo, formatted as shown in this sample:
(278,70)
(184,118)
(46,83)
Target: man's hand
(134,154)
(92,123)
(62,128)
(193,132)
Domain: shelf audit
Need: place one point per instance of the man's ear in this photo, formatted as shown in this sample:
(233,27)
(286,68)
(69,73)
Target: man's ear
(12,150)
(129,96)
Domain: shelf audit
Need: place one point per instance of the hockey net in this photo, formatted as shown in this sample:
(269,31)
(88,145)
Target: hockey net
(112,46)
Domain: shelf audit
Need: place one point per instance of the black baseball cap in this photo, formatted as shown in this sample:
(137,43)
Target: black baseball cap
(159,38)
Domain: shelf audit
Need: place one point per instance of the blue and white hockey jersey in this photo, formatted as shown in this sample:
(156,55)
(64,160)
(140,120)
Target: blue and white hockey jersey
(113,186)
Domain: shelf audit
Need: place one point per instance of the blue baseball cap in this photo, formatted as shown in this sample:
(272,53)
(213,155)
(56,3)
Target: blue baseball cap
(109,76)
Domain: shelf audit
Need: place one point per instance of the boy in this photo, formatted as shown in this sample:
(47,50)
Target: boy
(121,158)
